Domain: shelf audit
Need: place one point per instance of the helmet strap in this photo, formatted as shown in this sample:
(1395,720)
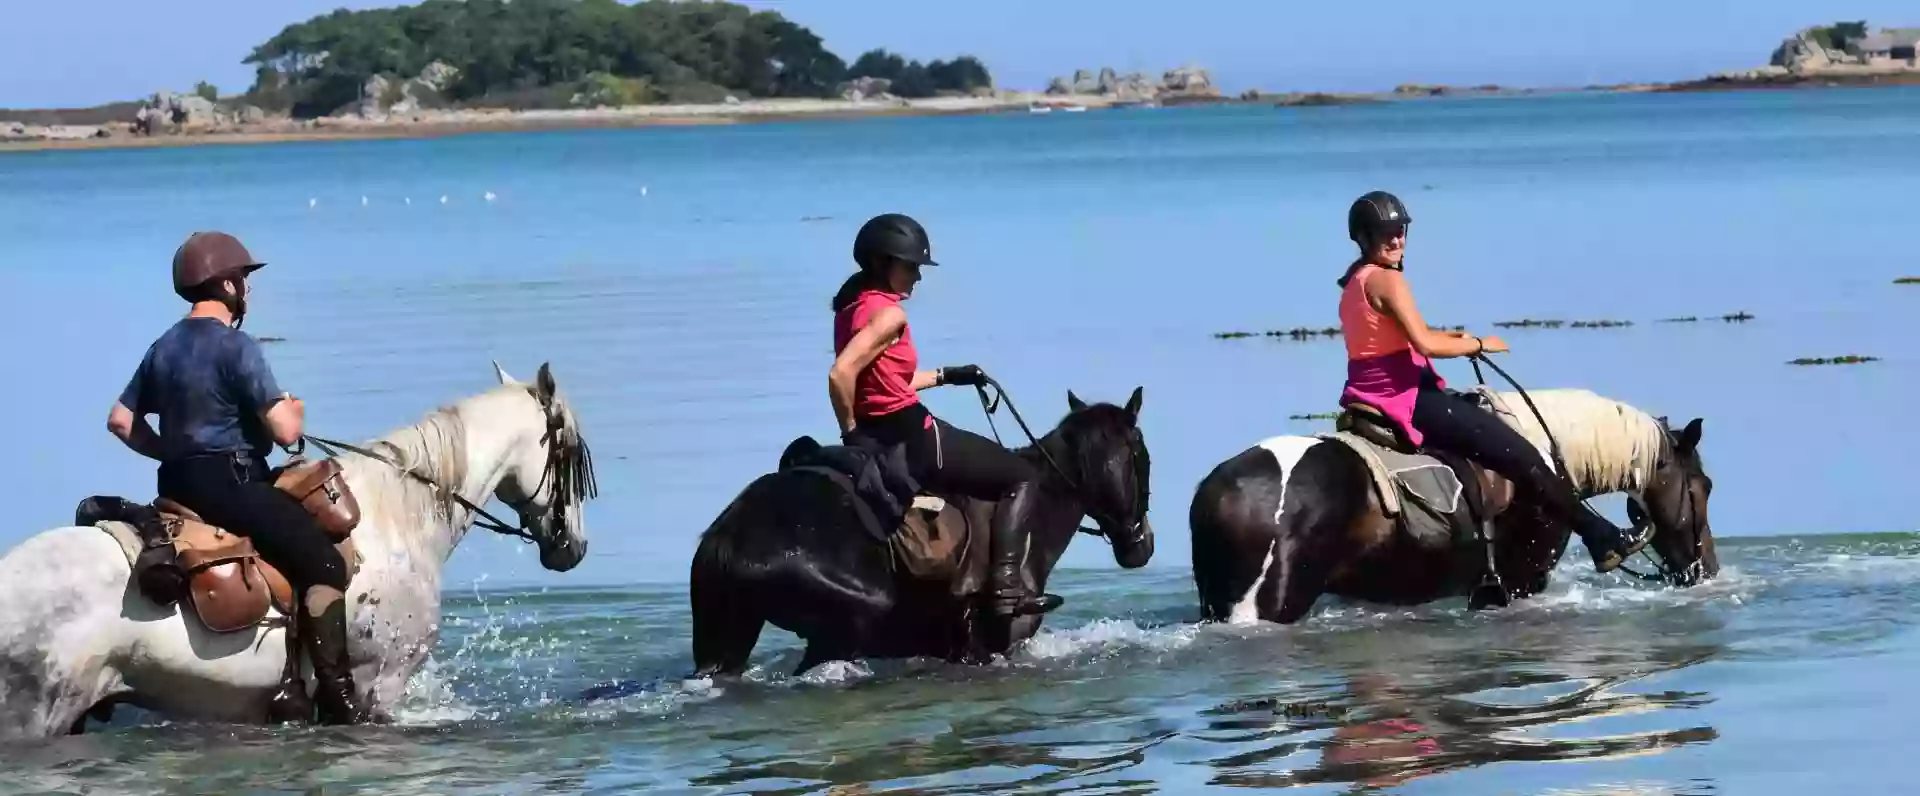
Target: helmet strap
(236,300)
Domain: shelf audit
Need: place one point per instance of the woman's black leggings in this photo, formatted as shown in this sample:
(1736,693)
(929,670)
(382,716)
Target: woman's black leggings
(236,495)
(1452,423)
(948,459)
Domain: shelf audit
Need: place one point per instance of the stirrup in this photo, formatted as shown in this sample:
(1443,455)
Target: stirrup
(1024,604)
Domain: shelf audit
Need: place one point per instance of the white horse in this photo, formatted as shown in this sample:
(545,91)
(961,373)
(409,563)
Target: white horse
(76,632)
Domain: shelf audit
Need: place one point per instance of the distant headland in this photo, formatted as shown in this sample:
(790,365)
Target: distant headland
(457,66)
(1840,54)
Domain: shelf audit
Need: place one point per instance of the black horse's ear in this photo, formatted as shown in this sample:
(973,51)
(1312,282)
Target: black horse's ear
(1690,436)
(1133,404)
(1074,403)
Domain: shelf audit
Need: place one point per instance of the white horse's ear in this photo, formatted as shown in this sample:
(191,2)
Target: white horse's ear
(502,373)
(543,382)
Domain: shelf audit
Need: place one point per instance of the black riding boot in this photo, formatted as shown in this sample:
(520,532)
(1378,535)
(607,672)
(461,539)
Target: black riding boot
(1010,594)
(326,640)
(1608,545)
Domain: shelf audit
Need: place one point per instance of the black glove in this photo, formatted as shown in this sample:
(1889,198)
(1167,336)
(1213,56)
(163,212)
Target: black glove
(967,375)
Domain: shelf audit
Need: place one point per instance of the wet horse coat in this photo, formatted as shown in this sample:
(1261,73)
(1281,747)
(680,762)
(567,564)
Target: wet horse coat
(1283,522)
(75,631)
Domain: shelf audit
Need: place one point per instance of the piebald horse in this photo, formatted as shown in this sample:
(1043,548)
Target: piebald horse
(1294,517)
(76,633)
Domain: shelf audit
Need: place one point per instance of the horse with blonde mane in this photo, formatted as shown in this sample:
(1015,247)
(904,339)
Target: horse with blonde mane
(1294,517)
(78,635)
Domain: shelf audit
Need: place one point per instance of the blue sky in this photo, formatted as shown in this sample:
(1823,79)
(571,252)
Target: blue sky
(83,52)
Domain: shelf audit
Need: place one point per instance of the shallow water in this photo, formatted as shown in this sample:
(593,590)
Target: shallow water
(1785,674)
(677,280)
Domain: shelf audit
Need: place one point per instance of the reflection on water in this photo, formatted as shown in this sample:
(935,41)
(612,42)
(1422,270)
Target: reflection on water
(1627,687)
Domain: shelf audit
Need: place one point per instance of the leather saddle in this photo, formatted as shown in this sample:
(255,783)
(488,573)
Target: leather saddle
(229,586)
(931,538)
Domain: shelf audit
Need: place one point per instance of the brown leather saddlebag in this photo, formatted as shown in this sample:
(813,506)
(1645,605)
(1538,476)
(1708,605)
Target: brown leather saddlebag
(321,488)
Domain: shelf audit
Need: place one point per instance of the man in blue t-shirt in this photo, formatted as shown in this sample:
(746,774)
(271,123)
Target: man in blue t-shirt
(220,413)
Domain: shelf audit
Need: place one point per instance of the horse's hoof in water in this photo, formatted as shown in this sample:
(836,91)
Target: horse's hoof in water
(290,706)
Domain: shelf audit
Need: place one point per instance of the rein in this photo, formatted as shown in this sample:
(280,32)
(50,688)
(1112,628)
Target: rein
(991,405)
(490,522)
(1560,462)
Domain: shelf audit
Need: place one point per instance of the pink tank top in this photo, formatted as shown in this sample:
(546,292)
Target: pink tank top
(1383,368)
(886,386)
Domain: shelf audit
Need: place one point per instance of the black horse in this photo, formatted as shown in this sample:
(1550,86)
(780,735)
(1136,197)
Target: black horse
(1285,521)
(790,550)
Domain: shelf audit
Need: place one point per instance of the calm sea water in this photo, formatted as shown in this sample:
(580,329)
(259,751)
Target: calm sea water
(677,279)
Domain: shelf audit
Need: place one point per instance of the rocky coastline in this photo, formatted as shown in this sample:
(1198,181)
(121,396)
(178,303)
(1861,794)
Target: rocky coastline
(1842,55)
(1836,56)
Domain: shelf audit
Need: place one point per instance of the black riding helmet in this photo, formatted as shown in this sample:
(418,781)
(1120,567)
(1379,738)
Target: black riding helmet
(1372,213)
(892,235)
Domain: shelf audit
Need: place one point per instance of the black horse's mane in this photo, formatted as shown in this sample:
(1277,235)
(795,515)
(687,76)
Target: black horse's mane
(1101,426)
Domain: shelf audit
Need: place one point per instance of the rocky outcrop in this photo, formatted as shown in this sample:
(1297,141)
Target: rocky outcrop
(18,131)
(1134,87)
(1189,81)
(170,112)
(373,98)
(1802,54)
(383,96)
(866,88)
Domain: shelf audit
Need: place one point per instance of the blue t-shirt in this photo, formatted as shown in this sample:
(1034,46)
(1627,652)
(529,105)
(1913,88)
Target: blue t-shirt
(210,385)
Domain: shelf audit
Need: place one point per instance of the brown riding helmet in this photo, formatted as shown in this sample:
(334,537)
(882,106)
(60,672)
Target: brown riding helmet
(210,255)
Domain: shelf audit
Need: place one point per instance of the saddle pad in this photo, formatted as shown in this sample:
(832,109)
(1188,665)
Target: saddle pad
(1424,478)
(126,535)
(1434,516)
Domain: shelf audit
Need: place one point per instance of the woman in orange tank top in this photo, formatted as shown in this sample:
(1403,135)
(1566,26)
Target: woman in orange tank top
(1390,353)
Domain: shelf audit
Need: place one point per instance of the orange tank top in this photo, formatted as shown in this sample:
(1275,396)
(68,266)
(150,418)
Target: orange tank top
(1368,332)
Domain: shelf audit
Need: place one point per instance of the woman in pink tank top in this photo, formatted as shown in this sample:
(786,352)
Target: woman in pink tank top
(874,386)
(1390,353)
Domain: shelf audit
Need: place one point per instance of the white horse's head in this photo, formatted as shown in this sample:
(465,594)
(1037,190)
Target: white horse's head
(549,476)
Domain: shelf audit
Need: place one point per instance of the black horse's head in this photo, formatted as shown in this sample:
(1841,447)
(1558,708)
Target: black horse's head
(1110,468)
(1676,502)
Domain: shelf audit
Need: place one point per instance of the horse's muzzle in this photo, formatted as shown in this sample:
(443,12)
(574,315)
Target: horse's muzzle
(564,556)
(1133,548)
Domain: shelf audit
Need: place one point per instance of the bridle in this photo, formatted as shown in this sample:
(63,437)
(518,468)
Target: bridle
(1662,573)
(1136,531)
(1691,572)
(569,466)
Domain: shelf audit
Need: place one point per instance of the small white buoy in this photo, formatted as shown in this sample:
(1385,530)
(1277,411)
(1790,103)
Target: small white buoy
(488,195)
(443,199)
(363,201)
(643,190)
(312,202)
(409,201)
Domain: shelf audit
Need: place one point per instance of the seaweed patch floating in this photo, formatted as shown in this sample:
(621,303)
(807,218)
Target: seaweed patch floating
(1850,359)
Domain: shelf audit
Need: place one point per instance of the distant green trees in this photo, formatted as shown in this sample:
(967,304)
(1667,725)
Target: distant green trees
(1839,34)
(543,52)
(913,79)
